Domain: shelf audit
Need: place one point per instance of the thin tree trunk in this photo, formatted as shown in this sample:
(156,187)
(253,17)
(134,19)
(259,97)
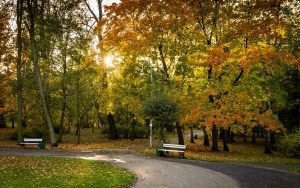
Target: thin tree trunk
(192,135)
(179,134)
(19,70)
(133,124)
(273,141)
(215,146)
(12,122)
(222,133)
(206,140)
(268,144)
(64,96)
(112,127)
(254,135)
(32,5)
(61,123)
(225,145)
(229,135)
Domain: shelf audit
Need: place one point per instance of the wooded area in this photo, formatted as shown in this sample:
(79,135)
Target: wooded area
(229,67)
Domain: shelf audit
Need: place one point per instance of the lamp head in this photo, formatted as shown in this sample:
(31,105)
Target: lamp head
(142,72)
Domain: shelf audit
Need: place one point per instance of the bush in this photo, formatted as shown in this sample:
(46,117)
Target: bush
(32,132)
(290,145)
(36,132)
(14,135)
(124,131)
(142,132)
(105,130)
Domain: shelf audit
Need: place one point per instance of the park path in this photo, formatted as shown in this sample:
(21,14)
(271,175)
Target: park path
(152,172)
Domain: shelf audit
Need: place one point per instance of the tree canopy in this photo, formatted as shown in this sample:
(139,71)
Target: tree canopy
(230,65)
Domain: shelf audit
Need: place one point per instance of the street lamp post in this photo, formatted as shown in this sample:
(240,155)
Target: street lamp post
(151,78)
(142,73)
(151,134)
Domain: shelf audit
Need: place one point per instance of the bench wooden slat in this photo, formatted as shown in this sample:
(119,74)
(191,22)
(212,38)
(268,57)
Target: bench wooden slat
(23,143)
(174,146)
(33,140)
(179,151)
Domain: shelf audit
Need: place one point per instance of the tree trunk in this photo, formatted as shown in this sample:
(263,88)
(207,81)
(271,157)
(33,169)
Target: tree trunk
(245,137)
(78,130)
(254,130)
(192,135)
(261,132)
(32,6)
(222,133)
(19,70)
(161,132)
(179,134)
(225,145)
(268,144)
(133,124)
(206,140)
(230,135)
(64,97)
(61,123)
(273,141)
(12,122)
(98,115)
(2,121)
(112,127)
(169,127)
(215,146)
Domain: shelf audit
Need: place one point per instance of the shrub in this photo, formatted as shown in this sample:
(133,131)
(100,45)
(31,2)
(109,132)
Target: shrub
(105,130)
(142,132)
(290,145)
(32,132)
(36,132)
(14,135)
(124,131)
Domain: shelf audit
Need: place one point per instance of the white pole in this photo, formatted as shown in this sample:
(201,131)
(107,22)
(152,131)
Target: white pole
(151,134)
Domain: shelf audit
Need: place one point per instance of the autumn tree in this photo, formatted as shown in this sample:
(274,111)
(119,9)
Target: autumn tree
(4,52)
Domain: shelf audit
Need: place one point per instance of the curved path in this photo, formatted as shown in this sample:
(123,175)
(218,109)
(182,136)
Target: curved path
(173,173)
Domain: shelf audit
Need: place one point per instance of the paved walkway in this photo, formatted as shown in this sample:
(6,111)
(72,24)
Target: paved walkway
(172,173)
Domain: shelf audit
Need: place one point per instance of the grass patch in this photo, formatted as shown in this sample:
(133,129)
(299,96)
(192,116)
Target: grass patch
(294,169)
(240,152)
(60,172)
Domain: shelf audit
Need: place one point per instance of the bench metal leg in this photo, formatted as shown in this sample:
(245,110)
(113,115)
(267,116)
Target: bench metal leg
(181,155)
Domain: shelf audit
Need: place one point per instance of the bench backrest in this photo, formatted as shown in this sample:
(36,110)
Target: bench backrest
(174,146)
(33,140)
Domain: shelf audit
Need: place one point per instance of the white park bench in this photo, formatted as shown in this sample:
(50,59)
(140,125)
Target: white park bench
(32,141)
(172,148)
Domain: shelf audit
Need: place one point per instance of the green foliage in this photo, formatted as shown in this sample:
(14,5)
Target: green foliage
(36,132)
(105,130)
(141,131)
(31,132)
(125,131)
(163,109)
(290,145)
(14,135)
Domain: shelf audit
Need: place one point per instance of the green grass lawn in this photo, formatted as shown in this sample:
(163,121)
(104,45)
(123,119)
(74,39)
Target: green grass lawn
(60,172)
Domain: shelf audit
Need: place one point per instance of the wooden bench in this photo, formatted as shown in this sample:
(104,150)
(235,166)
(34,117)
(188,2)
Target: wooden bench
(172,148)
(32,141)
